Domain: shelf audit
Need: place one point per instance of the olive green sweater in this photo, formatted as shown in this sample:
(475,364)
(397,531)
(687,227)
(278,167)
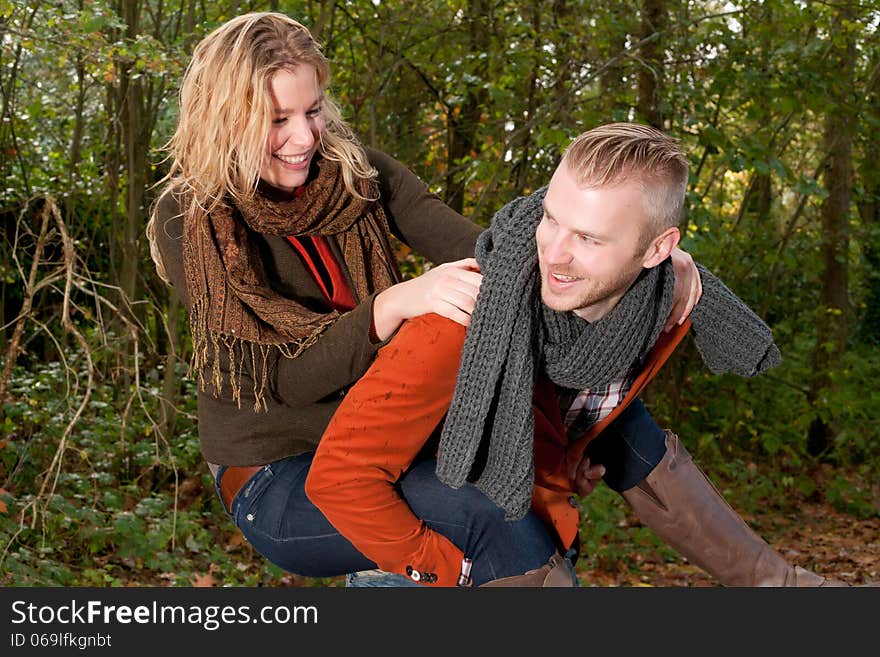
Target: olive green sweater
(304,392)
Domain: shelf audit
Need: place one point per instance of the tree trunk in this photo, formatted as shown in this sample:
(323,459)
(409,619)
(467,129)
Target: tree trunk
(136,142)
(170,380)
(651,71)
(833,312)
(463,120)
(523,165)
(564,70)
(320,24)
(615,96)
(869,210)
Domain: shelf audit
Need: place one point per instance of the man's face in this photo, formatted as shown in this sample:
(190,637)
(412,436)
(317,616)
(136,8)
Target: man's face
(588,244)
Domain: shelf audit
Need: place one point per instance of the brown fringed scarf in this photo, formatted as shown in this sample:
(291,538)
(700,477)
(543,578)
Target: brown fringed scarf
(233,308)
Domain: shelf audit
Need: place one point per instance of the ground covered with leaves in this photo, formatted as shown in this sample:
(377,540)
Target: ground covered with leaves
(815,536)
(834,530)
(90,526)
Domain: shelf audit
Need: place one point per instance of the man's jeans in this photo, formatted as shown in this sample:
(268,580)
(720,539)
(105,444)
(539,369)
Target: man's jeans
(629,448)
(277,518)
(368,579)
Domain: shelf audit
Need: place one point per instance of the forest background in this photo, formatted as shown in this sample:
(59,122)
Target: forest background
(776,101)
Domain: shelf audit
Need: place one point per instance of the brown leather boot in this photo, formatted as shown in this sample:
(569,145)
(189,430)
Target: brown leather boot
(679,503)
(554,573)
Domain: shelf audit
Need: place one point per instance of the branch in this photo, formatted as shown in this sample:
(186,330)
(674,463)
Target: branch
(13,350)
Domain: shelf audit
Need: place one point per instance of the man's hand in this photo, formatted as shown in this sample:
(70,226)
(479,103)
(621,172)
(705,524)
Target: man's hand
(688,288)
(585,477)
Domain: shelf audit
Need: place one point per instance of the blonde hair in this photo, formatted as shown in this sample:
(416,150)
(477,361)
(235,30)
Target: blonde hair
(226,113)
(621,152)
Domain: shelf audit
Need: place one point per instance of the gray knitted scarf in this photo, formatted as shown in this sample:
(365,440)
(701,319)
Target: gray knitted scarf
(488,433)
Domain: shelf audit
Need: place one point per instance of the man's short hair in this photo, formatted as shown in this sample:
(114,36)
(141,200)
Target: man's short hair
(615,153)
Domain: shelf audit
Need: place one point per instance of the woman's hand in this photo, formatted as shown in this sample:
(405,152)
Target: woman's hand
(688,288)
(449,290)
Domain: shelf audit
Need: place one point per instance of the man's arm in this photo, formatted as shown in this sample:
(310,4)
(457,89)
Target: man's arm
(374,436)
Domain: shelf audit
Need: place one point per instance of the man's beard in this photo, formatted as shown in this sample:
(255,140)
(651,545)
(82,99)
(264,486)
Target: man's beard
(590,291)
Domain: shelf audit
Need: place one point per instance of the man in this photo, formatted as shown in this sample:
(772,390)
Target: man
(567,330)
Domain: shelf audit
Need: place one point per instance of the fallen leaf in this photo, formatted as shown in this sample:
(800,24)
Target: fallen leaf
(235,542)
(204,581)
(190,486)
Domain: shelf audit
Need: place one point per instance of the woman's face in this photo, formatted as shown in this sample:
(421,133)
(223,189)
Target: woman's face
(297,125)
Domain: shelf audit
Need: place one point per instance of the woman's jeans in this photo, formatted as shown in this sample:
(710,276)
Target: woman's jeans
(277,518)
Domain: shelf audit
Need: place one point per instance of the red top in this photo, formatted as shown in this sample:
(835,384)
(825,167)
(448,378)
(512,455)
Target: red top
(327,272)
(319,258)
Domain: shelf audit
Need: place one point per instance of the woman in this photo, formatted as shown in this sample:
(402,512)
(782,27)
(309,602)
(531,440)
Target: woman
(274,228)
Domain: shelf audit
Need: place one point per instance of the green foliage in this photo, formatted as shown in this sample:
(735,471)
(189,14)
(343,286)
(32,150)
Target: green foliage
(115,516)
(856,500)
(610,542)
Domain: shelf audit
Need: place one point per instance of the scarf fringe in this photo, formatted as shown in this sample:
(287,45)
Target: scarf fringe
(207,345)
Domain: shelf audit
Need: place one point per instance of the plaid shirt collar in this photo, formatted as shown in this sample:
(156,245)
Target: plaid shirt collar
(581,409)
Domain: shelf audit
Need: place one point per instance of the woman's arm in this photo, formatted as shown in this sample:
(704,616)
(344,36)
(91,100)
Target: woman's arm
(434,230)
(338,358)
(376,433)
(688,288)
(418,217)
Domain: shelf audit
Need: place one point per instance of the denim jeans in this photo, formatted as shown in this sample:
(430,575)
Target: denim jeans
(276,517)
(629,448)
(369,579)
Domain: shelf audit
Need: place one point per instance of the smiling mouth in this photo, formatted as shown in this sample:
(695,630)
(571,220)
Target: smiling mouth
(292,159)
(562,278)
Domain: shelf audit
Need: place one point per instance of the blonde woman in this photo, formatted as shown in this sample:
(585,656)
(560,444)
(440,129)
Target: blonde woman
(274,228)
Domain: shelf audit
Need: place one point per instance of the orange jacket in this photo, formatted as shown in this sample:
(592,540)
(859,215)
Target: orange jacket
(386,419)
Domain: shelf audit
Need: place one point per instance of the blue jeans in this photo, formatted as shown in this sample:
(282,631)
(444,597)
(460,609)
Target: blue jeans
(629,448)
(276,517)
(369,579)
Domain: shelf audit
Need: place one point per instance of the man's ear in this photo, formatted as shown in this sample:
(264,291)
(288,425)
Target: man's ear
(660,247)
